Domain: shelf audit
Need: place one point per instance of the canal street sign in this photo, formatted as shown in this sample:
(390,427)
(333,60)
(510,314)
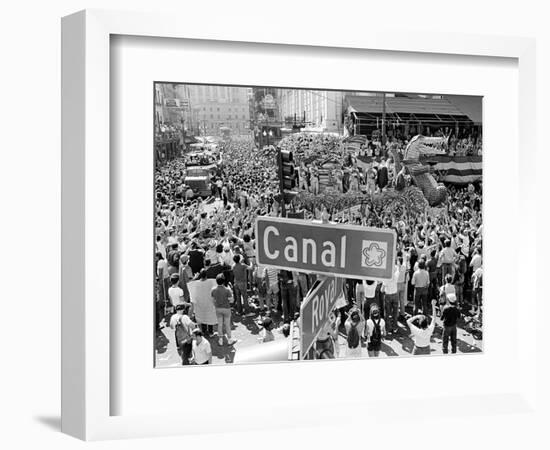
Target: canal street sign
(316,309)
(346,251)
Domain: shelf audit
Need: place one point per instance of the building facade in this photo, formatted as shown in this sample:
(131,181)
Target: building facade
(201,109)
(315,110)
(168,126)
(216,107)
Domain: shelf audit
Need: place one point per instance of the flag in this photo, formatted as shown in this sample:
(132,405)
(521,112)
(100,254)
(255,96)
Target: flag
(457,169)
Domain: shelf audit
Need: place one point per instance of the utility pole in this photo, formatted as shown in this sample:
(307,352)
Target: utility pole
(183,145)
(281,182)
(384,119)
(266,124)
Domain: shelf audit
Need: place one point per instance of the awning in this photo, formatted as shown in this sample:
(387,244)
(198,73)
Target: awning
(446,110)
(470,105)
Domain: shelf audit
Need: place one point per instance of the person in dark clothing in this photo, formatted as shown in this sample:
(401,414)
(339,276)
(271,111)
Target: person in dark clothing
(382,177)
(196,258)
(460,278)
(288,294)
(380,299)
(449,316)
(212,270)
(173,258)
(413,257)
(240,276)
(400,181)
(431,265)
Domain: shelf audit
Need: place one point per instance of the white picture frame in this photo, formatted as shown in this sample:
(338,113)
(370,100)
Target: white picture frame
(86,217)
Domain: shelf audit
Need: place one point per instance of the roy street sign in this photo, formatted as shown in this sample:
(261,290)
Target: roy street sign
(316,309)
(346,251)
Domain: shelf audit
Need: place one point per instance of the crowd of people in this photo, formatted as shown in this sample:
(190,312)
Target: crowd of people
(207,273)
(466,143)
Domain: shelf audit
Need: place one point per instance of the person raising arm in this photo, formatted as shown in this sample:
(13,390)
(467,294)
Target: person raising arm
(422,332)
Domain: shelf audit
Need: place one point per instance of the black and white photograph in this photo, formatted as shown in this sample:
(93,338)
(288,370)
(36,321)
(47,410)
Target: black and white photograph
(301,224)
(304,195)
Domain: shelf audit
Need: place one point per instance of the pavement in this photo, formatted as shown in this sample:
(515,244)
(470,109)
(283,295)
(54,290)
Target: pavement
(246,330)
(400,343)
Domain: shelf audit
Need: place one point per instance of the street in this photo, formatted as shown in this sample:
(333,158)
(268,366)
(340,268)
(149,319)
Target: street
(246,331)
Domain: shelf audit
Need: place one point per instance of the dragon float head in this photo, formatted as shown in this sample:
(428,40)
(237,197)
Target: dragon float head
(422,145)
(426,146)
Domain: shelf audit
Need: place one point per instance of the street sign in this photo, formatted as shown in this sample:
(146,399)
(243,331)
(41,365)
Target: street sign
(316,308)
(346,251)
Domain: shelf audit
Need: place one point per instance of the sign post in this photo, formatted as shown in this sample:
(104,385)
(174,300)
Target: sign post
(334,251)
(316,308)
(342,251)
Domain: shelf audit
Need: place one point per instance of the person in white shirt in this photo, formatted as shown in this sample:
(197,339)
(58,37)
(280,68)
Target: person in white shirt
(227,255)
(477,286)
(182,326)
(175,293)
(160,247)
(201,349)
(391,301)
(446,289)
(211,253)
(370,296)
(476,261)
(447,259)
(465,243)
(422,331)
(203,304)
(360,294)
(163,277)
(402,284)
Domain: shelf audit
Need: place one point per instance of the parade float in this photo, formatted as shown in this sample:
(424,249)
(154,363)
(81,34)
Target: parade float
(331,154)
(421,172)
